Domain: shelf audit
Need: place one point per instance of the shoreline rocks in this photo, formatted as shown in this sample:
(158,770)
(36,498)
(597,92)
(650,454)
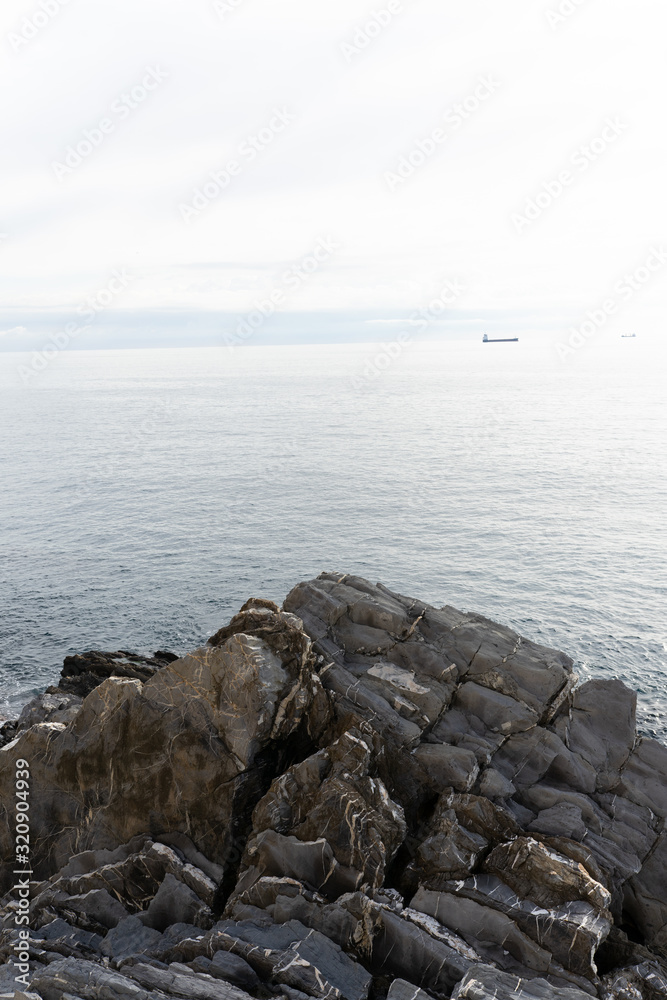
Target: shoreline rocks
(355,796)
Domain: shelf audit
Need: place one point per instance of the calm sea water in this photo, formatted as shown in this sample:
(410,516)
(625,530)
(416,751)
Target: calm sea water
(146,494)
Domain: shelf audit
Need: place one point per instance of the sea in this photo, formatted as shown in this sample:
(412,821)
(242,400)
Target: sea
(146,494)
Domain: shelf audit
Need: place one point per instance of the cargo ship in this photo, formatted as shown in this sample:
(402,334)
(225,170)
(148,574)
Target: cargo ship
(499,340)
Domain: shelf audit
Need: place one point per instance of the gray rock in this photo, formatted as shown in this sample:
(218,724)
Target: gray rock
(168,947)
(401,990)
(86,980)
(469,733)
(491,820)
(600,727)
(310,862)
(351,693)
(179,981)
(60,936)
(536,872)
(333,792)
(404,949)
(483,982)
(644,778)
(646,897)
(175,903)
(571,933)
(449,852)
(488,930)
(445,766)
(498,712)
(54,705)
(562,820)
(232,968)
(494,785)
(183,741)
(529,757)
(419,699)
(98,905)
(296,956)
(645,980)
(130,938)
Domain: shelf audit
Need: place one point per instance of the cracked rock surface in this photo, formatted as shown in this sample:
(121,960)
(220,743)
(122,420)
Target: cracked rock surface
(354,796)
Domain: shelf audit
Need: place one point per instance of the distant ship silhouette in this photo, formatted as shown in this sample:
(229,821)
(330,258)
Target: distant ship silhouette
(499,340)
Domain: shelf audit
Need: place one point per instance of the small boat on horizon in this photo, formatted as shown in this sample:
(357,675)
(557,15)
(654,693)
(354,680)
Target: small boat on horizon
(499,340)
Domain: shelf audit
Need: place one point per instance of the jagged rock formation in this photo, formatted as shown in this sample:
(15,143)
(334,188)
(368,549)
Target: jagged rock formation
(356,796)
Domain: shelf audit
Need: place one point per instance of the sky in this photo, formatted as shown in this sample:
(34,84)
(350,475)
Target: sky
(178,172)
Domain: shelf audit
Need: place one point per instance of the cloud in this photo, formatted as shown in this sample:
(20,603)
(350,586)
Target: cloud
(325,173)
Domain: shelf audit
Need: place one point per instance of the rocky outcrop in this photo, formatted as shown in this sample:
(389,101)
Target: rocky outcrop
(356,796)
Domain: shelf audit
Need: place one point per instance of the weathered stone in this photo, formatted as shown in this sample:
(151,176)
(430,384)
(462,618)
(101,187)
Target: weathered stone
(542,875)
(61,937)
(83,672)
(293,954)
(232,968)
(562,820)
(490,820)
(131,875)
(179,981)
(488,929)
(183,742)
(646,981)
(469,733)
(483,982)
(449,852)
(330,791)
(401,990)
(90,981)
(445,766)
(403,948)
(408,695)
(98,905)
(644,778)
(494,785)
(175,903)
(571,933)
(527,758)
(129,938)
(646,897)
(54,705)
(498,712)
(600,727)
(351,694)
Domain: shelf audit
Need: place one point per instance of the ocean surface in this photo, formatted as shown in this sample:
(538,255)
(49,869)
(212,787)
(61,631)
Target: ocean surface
(145,495)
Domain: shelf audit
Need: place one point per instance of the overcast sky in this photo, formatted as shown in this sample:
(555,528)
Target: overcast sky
(116,113)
